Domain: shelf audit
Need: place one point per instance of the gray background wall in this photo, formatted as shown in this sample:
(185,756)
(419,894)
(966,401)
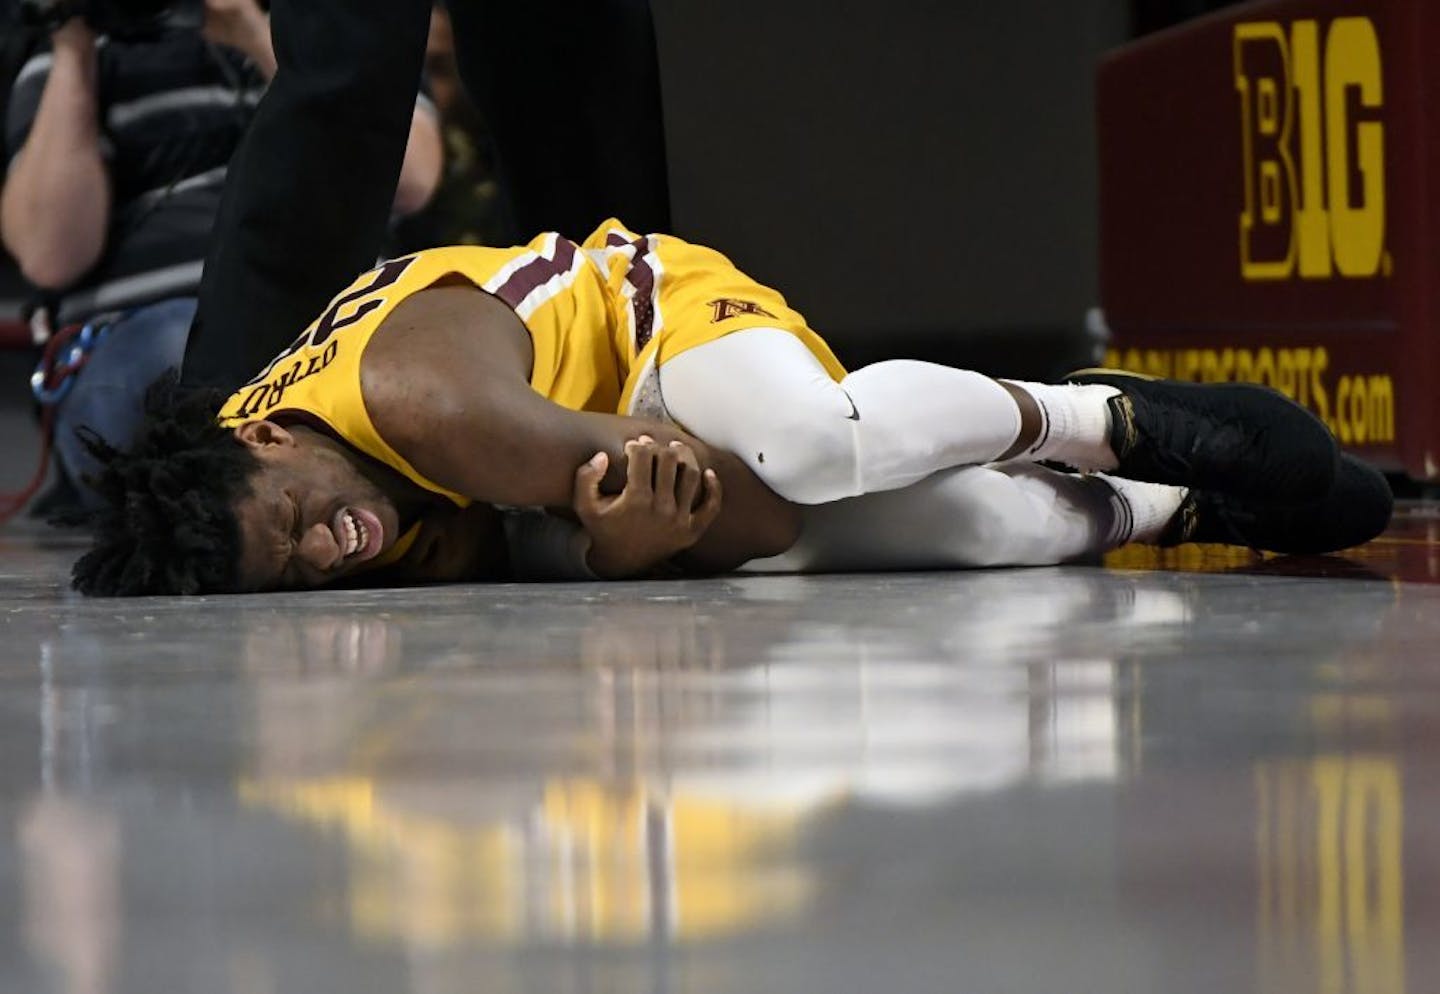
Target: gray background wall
(918,176)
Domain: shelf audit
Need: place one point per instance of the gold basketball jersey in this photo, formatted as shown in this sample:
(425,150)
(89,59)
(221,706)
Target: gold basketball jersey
(603,316)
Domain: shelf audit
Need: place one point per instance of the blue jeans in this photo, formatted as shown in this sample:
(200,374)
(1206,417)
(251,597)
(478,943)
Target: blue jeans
(109,392)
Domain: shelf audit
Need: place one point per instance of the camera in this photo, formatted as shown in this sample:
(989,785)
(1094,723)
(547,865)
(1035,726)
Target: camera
(124,20)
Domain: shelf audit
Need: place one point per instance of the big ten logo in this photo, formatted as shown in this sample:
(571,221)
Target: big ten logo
(1314,150)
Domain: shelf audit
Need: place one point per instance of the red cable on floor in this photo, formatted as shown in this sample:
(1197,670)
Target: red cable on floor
(12,503)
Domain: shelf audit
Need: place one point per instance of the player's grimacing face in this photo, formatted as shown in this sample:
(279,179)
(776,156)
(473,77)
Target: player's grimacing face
(310,519)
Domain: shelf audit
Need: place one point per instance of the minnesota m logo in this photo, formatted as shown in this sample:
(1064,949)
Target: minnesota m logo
(727,308)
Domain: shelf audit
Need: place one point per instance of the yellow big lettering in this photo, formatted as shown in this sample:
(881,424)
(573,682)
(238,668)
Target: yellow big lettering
(1312,221)
(1262,78)
(1357,224)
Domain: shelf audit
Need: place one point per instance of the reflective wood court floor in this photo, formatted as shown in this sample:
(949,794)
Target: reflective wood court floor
(1212,773)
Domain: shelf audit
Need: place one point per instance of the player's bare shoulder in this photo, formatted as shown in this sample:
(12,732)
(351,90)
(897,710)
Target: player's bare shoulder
(436,342)
(431,355)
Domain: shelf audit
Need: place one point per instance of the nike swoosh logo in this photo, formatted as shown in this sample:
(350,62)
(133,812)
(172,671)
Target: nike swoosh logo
(854,414)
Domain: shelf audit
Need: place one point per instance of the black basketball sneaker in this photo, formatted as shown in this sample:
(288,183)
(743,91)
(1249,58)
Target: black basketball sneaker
(1355,509)
(1235,438)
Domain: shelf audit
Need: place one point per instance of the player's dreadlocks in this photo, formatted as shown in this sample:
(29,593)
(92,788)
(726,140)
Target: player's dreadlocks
(168,525)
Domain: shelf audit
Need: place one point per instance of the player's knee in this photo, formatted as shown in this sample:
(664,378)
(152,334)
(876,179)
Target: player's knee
(809,461)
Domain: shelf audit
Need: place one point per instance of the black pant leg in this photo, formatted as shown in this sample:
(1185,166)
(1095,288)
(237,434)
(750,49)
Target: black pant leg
(308,194)
(571,92)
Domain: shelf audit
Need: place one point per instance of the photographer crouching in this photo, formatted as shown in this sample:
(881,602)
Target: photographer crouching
(118,136)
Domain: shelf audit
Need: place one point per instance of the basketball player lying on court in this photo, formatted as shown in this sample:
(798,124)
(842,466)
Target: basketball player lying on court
(442,383)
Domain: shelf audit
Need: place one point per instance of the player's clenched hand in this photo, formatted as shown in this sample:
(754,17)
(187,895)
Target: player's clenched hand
(655,516)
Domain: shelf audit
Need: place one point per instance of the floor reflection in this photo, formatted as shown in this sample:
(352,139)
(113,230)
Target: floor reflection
(1330,895)
(587,861)
(706,751)
(1409,551)
(70,855)
(1046,778)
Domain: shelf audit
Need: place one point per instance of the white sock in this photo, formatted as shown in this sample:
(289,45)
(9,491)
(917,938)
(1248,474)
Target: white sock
(1075,424)
(1142,510)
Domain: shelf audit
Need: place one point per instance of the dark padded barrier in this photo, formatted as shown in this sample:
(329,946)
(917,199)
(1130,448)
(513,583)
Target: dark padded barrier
(1297,238)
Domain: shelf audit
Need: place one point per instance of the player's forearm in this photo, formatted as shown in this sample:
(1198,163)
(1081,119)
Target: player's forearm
(55,208)
(754,521)
(522,450)
(459,407)
(512,448)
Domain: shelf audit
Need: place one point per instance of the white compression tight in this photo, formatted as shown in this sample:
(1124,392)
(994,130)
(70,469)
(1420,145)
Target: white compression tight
(915,453)
(762,394)
(1015,514)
